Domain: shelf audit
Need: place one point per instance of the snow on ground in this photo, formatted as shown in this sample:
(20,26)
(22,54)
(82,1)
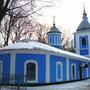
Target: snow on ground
(80,85)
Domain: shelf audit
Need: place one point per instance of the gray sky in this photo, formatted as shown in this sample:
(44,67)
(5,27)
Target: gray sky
(68,13)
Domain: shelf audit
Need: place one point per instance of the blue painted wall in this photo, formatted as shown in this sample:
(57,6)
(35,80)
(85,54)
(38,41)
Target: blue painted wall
(20,60)
(84,52)
(5,58)
(77,63)
(53,61)
(54,40)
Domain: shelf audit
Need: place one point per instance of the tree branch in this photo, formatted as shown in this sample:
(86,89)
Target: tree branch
(28,14)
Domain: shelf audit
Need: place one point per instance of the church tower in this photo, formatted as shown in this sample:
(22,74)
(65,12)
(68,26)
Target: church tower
(54,36)
(82,37)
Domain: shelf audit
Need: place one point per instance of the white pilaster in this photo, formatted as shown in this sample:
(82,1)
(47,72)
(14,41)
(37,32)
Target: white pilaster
(77,44)
(12,67)
(87,72)
(67,67)
(47,68)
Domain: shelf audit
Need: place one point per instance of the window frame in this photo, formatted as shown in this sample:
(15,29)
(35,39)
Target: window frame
(51,40)
(80,42)
(73,78)
(84,43)
(25,71)
(59,63)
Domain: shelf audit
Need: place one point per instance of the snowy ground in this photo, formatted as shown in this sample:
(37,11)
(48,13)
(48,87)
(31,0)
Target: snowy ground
(81,85)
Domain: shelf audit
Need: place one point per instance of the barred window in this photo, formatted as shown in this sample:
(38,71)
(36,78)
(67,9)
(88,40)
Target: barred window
(31,71)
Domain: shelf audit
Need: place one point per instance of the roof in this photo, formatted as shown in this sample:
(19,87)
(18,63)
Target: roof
(38,45)
(84,24)
(54,29)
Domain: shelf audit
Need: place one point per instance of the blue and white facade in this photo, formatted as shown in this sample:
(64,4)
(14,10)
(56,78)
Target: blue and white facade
(82,37)
(34,62)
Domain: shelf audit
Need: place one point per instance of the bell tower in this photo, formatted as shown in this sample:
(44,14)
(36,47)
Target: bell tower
(82,37)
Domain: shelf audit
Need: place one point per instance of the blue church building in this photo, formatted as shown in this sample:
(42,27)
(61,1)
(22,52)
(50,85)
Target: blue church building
(34,62)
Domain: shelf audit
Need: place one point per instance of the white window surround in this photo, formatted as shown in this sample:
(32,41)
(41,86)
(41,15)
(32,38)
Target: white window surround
(86,41)
(36,76)
(55,40)
(72,72)
(1,70)
(59,63)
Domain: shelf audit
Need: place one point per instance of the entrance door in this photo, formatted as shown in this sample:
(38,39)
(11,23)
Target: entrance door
(80,72)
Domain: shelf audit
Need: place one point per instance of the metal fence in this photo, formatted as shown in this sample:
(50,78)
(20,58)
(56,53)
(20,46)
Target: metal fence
(39,88)
(14,83)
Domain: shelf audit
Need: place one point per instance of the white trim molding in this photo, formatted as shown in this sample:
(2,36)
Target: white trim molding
(59,63)
(36,76)
(67,68)
(47,68)
(87,72)
(12,67)
(72,71)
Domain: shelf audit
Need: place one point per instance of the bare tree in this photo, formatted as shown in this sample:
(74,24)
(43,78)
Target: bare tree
(41,33)
(66,40)
(22,30)
(10,21)
(19,20)
(5,7)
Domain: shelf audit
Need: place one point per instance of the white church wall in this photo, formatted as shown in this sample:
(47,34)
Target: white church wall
(78,34)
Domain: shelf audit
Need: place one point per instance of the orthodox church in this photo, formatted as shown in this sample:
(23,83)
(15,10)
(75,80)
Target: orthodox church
(38,63)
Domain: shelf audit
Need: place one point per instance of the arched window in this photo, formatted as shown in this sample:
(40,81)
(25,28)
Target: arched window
(31,71)
(73,71)
(58,71)
(83,41)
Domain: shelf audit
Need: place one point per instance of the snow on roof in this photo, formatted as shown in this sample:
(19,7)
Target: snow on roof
(38,45)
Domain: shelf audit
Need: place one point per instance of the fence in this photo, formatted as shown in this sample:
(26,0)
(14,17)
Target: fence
(15,83)
(40,88)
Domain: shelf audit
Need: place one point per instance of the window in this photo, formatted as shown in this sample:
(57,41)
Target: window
(59,71)
(73,74)
(51,40)
(31,71)
(83,41)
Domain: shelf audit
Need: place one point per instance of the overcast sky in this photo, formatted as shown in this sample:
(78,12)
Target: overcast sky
(68,13)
